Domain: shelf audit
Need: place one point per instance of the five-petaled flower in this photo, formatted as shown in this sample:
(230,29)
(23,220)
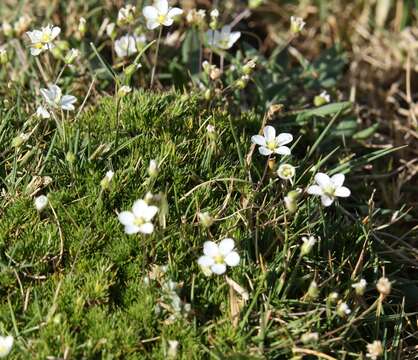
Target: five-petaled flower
(160,14)
(329,188)
(223,39)
(272,144)
(139,219)
(41,40)
(6,344)
(217,257)
(54,98)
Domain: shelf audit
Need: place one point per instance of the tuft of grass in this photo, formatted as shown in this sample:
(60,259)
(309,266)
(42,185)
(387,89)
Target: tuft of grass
(75,286)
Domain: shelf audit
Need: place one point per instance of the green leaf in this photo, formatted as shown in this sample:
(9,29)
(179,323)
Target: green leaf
(323,111)
(366,133)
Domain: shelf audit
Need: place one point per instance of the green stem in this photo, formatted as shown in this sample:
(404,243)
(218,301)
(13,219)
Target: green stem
(156,56)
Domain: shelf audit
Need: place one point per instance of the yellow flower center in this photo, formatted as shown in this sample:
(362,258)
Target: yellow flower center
(271,145)
(219,259)
(45,38)
(329,190)
(38,46)
(139,221)
(161,18)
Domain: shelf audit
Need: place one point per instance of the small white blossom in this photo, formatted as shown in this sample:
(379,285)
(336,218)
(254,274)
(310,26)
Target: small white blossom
(54,98)
(124,90)
(128,45)
(322,99)
(105,182)
(153,168)
(41,202)
(214,14)
(296,24)
(217,257)
(329,188)
(139,219)
(223,39)
(374,350)
(196,17)
(360,287)
(272,144)
(126,15)
(6,344)
(41,40)
(160,14)
(286,171)
(42,113)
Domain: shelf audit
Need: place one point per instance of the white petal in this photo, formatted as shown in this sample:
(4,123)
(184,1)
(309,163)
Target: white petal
(314,190)
(42,113)
(259,140)
(269,133)
(150,13)
(218,269)
(152,24)
(36,52)
(150,212)
(326,200)
(162,6)
(284,138)
(338,179)
(139,208)
(342,192)
(206,261)
(126,218)
(6,344)
(226,246)
(67,102)
(210,249)
(232,259)
(282,150)
(322,180)
(264,151)
(146,228)
(131,229)
(233,38)
(168,21)
(55,32)
(175,11)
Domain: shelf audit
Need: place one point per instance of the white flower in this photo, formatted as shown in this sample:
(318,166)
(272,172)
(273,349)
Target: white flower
(217,257)
(343,309)
(54,98)
(272,144)
(105,182)
(110,30)
(139,219)
(308,244)
(109,175)
(329,188)
(223,39)
(126,15)
(6,343)
(286,172)
(360,286)
(42,113)
(41,202)
(214,14)
(160,14)
(41,40)
(196,17)
(374,350)
(296,24)
(128,45)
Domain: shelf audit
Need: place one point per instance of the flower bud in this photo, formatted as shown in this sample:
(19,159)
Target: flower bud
(126,15)
(343,310)
(111,30)
(322,99)
(153,169)
(4,57)
(41,202)
(242,82)
(106,181)
(208,94)
(131,69)
(360,287)
(313,291)
(384,286)
(308,244)
(19,140)
(22,24)
(212,133)
(70,157)
(286,172)
(374,350)
(249,67)
(71,56)
(333,298)
(7,29)
(172,349)
(205,219)
(310,337)
(82,27)
(296,24)
(124,90)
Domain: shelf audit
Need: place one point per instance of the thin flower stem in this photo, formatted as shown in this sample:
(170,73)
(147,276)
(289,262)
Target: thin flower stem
(264,174)
(156,56)
(117,121)
(60,74)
